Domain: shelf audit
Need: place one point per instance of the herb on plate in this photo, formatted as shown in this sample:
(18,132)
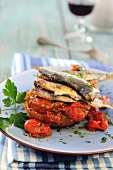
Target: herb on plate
(11,102)
(88,141)
(104,140)
(79,133)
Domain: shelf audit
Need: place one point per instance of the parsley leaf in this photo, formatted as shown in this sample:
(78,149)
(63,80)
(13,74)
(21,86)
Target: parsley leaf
(4,123)
(103,140)
(20,97)
(17,119)
(10,90)
(13,96)
(7,102)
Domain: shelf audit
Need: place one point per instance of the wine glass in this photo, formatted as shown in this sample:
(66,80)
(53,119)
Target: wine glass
(80,8)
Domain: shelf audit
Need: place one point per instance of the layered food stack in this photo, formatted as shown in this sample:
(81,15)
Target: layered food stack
(64,98)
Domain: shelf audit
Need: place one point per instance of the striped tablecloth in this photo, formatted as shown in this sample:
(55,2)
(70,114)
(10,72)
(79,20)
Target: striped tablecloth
(14,156)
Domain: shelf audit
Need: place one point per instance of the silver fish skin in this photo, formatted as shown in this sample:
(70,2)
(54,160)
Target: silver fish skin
(85,89)
(98,103)
(57,89)
(50,96)
(92,76)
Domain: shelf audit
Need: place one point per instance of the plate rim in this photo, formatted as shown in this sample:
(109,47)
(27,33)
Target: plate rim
(53,151)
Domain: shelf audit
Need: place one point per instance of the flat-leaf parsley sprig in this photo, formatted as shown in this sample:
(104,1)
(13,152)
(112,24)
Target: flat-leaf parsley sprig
(11,102)
(13,96)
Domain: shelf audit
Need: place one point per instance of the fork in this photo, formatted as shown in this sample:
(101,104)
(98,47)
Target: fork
(94,53)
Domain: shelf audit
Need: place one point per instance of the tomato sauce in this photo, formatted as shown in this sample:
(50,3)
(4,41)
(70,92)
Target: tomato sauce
(77,111)
(54,111)
(97,120)
(76,67)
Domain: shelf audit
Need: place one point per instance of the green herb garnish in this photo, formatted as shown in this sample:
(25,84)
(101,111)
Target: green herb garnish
(80,75)
(5,123)
(17,119)
(103,140)
(25,134)
(105,115)
(11,102)
(68,79)
(61,140)
(80,68)
(79,133)
(13,96)
(108,134)
(88,141)
(90,85)
(111,123)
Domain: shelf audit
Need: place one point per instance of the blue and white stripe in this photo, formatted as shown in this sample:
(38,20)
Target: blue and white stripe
(23,62)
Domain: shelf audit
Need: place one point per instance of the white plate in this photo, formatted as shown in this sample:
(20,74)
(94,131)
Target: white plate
(63,141)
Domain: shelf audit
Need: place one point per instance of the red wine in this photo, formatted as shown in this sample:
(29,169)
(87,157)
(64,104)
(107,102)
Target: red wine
(80,10)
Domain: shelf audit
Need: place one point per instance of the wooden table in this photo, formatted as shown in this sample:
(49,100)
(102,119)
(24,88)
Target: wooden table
(21,22)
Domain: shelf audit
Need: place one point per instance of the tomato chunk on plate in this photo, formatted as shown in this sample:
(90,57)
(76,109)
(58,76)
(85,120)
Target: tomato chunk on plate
(37,128)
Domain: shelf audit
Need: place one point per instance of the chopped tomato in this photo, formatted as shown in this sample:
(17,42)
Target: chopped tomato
(54,117)
(43,105)
(40,104)
(106,99)
(104,124)
(95,114)
(93,125)
(99,116)
(76,68)
(95,86)
(92,112)
(37,128)
(77,111)
(97,120)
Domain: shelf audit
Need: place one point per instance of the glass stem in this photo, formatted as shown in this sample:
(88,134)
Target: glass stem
(80,27)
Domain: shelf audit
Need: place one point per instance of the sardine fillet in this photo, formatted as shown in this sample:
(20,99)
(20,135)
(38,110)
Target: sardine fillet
(98,103)
(50,96)
(57,89)
(92,76)
(84,88)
